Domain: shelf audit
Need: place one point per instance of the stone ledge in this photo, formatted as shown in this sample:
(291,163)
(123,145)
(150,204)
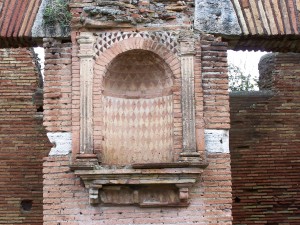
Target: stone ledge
(167,186)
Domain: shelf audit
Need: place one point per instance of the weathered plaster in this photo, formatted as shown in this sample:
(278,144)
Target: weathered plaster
(217,17)
(217,141)
(38,27)
(61,143)
(39,30)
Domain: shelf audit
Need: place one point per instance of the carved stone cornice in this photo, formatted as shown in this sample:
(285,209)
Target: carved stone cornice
(132,186)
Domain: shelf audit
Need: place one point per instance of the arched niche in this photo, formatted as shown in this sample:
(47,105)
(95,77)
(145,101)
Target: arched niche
(138,110)
(133,102)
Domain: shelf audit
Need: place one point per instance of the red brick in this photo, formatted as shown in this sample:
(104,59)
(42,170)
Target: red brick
(264,142)
(22,137)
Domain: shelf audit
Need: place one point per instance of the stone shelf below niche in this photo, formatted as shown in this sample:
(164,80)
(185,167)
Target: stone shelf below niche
(146,185)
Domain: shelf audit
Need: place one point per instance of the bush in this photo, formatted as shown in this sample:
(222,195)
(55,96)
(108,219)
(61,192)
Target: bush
(239,81)
(56,12)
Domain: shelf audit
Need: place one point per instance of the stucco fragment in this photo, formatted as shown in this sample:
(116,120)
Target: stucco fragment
(217,141)
(61,143)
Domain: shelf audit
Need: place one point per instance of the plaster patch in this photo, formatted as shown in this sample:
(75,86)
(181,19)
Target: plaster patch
(216,17)
(62,143)
(217,141)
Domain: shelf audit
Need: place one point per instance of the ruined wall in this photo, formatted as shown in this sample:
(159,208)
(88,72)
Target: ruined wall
(264,144)
(57,95)
(23,140)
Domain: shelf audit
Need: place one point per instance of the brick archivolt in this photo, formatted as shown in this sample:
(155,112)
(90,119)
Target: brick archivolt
(104,59)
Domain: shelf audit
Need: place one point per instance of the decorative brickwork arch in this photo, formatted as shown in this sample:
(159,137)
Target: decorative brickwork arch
(136,43)
(161,97)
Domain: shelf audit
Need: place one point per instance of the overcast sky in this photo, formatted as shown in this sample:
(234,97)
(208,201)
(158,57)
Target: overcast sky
(247,61)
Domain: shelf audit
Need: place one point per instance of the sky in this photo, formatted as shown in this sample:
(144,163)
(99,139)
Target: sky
(247,61)
(41,54)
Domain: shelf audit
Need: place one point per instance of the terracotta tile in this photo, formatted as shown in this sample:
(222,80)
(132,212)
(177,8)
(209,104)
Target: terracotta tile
(285,17)
(278,16)
(20,18)
(6,15)
(245,3)
(293,16)
(33,13)
(270,17)
(256,17)
(26,18)
(14,18)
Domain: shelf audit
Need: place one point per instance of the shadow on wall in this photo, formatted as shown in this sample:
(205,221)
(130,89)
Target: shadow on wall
(264,143)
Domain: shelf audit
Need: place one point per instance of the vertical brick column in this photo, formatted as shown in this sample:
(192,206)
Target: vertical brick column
(57,97)
(217,176)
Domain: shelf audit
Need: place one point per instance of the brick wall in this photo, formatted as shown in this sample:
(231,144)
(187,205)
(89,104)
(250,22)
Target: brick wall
(57,87)
(23,142)
(66,200)
(264,143)
(215,83)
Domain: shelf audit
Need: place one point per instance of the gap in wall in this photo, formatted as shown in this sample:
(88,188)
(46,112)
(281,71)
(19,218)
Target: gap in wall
(40,51)
(243,70)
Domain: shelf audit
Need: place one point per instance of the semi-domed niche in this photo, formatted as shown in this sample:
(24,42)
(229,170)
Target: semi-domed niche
(138,110)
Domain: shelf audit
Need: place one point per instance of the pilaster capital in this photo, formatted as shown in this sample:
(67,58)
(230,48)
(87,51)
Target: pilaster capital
(85,38)
(86,43)
(187,43)
(187,48)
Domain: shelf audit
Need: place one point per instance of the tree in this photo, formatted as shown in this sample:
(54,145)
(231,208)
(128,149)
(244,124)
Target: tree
(240,81)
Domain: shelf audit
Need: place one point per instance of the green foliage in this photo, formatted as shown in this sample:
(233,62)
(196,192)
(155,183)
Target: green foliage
(56,12)
(239,81)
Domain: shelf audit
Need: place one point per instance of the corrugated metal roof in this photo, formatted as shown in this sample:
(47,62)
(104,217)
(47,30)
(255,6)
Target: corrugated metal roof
(16,20)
